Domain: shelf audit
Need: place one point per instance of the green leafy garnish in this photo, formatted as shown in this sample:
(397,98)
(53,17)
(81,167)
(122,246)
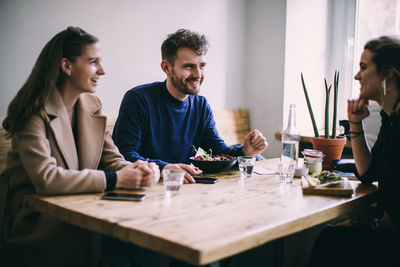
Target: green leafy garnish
(326,177)
(204,154)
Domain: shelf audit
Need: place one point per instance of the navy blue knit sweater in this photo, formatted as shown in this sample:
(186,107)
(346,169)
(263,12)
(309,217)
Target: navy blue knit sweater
(152,125)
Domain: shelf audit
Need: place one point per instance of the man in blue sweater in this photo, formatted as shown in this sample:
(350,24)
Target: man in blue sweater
(159,122)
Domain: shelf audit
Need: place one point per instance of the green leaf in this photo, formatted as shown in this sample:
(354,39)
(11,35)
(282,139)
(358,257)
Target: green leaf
(309,107)
(327,92)
(335,91)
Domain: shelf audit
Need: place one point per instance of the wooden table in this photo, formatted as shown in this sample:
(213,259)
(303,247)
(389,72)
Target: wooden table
(206,223)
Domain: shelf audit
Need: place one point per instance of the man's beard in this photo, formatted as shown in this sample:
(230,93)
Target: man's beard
(181,86)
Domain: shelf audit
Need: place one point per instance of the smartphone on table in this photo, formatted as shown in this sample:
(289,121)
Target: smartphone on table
(123,196)
(205,180)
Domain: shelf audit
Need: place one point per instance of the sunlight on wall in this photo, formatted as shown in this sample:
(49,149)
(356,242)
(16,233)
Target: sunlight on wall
(305,51)
(130,33)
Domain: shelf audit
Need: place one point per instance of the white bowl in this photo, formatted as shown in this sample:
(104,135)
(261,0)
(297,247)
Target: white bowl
(298,172)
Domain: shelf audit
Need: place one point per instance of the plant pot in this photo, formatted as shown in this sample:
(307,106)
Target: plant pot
(332,149)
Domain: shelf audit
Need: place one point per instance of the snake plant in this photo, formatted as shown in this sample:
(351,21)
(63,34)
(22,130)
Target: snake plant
(327,94)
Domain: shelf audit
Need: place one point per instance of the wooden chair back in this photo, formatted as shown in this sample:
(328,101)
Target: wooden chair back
(232,125)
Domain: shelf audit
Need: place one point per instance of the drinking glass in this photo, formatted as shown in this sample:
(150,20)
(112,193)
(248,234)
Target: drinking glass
(173,180)
(246,165)
(286,171)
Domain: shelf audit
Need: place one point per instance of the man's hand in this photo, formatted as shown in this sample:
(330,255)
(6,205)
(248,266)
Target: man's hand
(254,143)
(187,168)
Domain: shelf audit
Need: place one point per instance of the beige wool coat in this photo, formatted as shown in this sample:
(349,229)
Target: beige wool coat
(44,159)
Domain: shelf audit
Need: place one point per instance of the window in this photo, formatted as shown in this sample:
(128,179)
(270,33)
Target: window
(327,35)
(384,20)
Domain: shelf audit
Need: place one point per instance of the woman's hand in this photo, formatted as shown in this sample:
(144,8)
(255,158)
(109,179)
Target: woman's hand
(156,171)
(357,110)
(138,174)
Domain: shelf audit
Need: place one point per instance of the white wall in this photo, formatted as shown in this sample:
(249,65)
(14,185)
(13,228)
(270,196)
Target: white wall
(264,73)
(131,33)
(245,61)
(306,51)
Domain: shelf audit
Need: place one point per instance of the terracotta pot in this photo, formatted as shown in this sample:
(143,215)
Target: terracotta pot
(332,149)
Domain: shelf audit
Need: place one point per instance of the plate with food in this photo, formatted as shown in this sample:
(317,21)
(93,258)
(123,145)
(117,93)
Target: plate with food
(207,162)
(326,183)
(326,178)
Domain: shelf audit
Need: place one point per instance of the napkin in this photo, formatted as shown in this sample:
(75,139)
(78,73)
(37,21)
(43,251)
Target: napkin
(264,170)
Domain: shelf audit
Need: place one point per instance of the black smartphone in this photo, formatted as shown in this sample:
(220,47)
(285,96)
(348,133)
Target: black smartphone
(205,180)
(123,196)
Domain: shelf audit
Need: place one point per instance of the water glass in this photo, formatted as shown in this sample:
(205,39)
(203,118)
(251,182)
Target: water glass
(246,165)
(173,180)
(286,171)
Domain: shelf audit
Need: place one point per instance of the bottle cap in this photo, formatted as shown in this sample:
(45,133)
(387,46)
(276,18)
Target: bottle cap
(311,153)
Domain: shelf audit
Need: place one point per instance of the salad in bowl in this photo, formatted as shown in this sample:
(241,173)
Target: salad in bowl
(207,162)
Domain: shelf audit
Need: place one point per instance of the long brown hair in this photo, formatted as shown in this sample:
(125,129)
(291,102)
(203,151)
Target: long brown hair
(45,77)
(386,56)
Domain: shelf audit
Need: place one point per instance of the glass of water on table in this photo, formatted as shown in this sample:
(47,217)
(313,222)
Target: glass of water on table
(173,180)
(286,169)
(246,165)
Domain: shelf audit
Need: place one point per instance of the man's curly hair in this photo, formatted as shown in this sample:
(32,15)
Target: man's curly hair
(183,38)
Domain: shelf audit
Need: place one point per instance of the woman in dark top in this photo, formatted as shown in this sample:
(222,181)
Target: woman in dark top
(379,77)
